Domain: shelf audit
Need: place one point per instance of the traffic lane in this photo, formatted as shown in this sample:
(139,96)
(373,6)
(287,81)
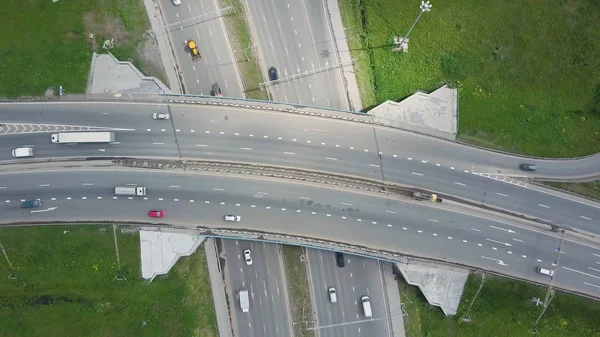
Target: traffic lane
(238,280)
(373,210)
(477,254)
(323,39)
(262,279)
(578,262)
(97,114)
(359,277)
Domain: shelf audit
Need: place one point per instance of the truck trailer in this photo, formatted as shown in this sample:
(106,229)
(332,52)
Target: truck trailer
(244,301)
(82,137)
(139,191)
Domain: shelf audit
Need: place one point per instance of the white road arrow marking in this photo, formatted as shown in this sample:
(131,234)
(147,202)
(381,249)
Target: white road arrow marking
(503,229)
(44,210)
(500,262)
(499,242)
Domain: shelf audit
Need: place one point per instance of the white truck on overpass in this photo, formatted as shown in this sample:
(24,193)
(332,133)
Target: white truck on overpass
(139,191)
(244,301)
(82,137)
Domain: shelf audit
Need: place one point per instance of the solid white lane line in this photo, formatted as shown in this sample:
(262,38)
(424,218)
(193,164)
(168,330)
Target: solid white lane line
(202,145)
(461,184)
(417,174)
(475,229)
(291,153)
(373,165)
(330,158)
(518,240)
(44,185)
(432,220)
(87,184)
(502,195)
(542,205)
(158,143)
(218,189)
(246,148)
(585,217)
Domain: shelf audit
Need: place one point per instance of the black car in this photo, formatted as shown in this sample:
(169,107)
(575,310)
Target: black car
(273,76)
(216,90)
(528,167)
(339,258)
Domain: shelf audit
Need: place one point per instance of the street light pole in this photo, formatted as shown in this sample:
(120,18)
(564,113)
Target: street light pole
(425,7)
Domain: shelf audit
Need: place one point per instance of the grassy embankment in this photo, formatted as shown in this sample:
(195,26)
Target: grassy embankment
(46,44)
(297,278)
(66,286)
(503,309)
(529,71)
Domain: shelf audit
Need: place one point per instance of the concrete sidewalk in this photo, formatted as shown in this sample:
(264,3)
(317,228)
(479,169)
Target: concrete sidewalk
(218,288)
(393,299)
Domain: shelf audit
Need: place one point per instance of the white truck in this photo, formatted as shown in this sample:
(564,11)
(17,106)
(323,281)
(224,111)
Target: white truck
(82,137)
(139,191)
(244,301)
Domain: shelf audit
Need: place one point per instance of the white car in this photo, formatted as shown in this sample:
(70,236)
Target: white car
(248,257)
(160,116)
(233,218)
(332,295)
(176,2)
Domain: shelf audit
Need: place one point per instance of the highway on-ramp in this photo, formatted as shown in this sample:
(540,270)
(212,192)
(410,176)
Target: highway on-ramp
(244,135)
(363,219)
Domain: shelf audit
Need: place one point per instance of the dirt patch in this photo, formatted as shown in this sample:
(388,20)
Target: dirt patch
(103,28)
(147,52)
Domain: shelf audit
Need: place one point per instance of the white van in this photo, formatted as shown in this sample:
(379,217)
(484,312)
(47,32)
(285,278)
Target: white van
(366,303)
(21,152)
(544,271)
(332,295)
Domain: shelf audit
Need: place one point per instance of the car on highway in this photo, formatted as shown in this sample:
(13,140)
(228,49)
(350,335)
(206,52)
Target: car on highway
(366,304)
(528,167)
(176,2)
(233,218)
(339,258)
(544,271)
(157,214)
(32,203)
(216,90)
(273,76)
(164,116)
(248,257)
(22,152)
(332,295)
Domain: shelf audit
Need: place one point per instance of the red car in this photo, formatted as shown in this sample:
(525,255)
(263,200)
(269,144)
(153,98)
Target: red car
(157,214)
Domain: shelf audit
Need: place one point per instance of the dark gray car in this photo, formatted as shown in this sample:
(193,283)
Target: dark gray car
(528,167)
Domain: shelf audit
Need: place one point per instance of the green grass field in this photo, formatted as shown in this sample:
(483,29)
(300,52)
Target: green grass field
(66,287)
(297,278)
(529,71)
(502,309)
(590,189)
(45,44)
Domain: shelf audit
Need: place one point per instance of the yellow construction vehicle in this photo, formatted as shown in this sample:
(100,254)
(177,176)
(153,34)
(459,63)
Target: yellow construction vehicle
(194,50)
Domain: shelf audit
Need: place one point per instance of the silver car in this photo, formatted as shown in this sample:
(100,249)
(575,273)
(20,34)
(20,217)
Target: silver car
(248,257)
(161,115)
(233,218)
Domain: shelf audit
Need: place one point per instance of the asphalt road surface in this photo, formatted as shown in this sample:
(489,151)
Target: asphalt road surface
(295,38)
(202,21)
(314,143)
(269,312)
(413,228)
(360,276)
